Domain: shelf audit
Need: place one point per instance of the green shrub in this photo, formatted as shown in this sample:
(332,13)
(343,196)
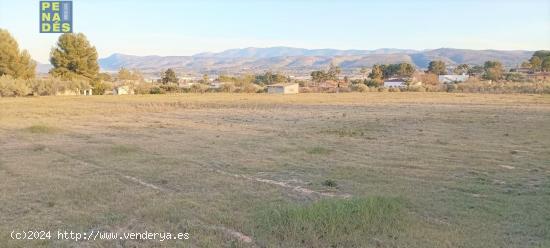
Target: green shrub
(199,88)
(52,85)
(227,87)
(332,222)
(394,89)
(250,88)
(100,87)
(451,87)
(359,88)
(156,90)
(13,87)
(143,88)
(416,88)
(170,88)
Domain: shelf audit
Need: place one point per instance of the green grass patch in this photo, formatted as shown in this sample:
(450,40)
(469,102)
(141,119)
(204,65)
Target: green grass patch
(332,222)
(318,150)
(41,129)
(345,132)
(123,149)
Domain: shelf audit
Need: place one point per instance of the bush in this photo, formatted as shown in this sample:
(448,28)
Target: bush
(44,87)
(374,82)
(503,87)
(13,87)
(156,90)
(250,88)
(199,88)
(451,87)
(170,88)
(228,87)
(100,87)
(52,86)
(394,89)
(143,88)
(359,88)
(416,88)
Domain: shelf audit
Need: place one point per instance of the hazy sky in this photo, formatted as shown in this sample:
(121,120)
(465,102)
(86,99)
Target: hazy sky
(166,27)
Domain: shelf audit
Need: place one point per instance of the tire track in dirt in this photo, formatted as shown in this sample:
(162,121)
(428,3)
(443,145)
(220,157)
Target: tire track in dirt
(299,189)
(228,231)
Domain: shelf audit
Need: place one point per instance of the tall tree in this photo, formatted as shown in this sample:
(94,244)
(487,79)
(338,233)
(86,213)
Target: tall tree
(377,72)
(536,63)
(13,62)
(318,76)
(525,64)
(461,69)
(74,57)
(169,76)
(124,74)
(493,70)
(437,67)
(545,66)
(405,70)
(476,70)
(333,72)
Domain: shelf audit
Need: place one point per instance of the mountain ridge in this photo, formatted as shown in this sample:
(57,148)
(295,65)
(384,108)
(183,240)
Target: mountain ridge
(301,60)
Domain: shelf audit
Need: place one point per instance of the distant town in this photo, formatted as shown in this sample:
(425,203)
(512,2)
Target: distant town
(76,70)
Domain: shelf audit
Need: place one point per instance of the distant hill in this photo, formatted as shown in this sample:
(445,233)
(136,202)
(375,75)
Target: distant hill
(42,68)
(301,60)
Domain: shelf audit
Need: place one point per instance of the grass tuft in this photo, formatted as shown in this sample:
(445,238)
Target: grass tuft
(123,149)
(41,129)
(318,150)
(329,183)
(332,222)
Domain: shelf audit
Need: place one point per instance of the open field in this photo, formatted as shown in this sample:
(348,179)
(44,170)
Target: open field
(256,170)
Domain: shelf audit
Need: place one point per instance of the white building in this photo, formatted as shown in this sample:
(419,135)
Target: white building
(283,89)
(395,83)
(449,79)
(123,90)
(216,85)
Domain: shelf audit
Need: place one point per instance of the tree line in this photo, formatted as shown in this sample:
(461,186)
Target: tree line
(74,59)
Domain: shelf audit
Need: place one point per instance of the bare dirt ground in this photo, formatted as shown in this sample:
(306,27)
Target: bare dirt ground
(473,170)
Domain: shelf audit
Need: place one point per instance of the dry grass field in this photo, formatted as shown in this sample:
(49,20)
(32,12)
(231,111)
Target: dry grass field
(256,170)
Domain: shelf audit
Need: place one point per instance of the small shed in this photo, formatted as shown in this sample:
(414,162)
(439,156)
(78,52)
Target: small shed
(448,79)
(216,85)
(87,91)
(394,82)
(123,90)
(283,89)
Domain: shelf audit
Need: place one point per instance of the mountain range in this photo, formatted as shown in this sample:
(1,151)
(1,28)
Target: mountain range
(303,61)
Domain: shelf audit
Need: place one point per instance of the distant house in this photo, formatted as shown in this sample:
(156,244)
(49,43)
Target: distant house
(216,85)
(539,76)
(522,70)
(87,91)
(395,83)
(283,89)
(186,84)
(450,79)
(123,90)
